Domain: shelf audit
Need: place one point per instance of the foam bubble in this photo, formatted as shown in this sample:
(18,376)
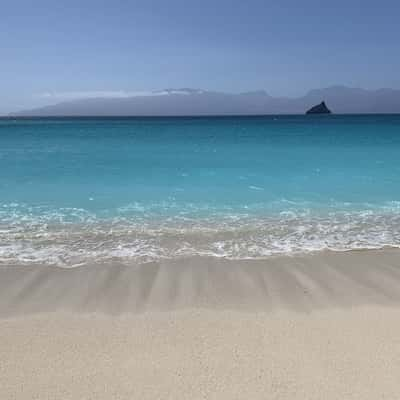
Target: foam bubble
(69,237)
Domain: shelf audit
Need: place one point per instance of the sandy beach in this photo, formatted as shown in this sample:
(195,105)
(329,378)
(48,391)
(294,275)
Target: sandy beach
(310,327)
(199,200)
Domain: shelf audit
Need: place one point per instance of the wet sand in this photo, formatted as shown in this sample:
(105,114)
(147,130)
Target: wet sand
(311,327)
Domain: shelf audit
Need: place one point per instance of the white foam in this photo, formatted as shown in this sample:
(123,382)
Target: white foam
(69,237)
(256,188)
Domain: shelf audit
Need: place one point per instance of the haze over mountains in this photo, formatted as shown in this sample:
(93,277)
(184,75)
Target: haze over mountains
(174,102)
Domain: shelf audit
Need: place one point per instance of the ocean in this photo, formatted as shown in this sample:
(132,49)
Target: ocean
(77,191)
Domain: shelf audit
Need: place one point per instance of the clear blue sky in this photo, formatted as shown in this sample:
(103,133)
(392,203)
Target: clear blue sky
(284,47)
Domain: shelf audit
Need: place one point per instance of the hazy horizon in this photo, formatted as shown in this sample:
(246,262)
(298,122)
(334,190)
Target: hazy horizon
(195,102)
(51,50)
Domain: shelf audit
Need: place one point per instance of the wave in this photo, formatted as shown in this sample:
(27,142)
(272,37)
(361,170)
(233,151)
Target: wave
(71,237)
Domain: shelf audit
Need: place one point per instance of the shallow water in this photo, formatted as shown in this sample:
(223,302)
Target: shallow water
(74,191)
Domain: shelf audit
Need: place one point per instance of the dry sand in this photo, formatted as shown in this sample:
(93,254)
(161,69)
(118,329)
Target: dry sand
(312,327)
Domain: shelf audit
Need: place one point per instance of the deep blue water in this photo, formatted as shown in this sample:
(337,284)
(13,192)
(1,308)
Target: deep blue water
(241,186)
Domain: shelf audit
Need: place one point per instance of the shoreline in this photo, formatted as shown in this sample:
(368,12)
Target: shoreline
(301,283)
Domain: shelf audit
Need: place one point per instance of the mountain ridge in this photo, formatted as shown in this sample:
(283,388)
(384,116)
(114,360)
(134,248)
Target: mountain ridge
(197,102)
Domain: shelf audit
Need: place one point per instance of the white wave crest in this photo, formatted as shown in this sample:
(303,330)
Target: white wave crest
(75,236)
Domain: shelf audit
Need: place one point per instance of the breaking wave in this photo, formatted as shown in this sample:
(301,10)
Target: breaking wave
(72,237)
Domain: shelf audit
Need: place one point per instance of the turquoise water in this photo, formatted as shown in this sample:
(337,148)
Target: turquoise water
(74,191)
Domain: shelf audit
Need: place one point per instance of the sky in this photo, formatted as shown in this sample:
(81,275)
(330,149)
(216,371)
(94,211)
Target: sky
(54,50)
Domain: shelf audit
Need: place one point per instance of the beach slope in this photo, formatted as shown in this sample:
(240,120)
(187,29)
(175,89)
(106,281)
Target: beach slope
(311,327)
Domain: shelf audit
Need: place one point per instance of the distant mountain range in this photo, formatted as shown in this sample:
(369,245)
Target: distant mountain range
(174,102)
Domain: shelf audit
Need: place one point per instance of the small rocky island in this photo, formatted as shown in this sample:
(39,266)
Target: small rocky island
(319,109)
